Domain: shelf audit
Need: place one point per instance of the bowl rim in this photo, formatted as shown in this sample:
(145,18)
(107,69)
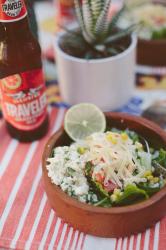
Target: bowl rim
(102,210)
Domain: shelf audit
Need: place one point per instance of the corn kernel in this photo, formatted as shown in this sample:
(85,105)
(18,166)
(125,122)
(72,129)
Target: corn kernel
(138,145)
(150,177)
(116,191)
(155,179)
(147,173)
(111,138)
(81,150)
(124,136)
(113,197)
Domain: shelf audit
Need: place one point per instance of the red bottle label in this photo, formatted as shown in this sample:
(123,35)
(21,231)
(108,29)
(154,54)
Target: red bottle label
(23,97)
(12,10)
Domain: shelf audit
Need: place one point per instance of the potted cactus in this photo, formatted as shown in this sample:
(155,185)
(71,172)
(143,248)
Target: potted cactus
(96,60)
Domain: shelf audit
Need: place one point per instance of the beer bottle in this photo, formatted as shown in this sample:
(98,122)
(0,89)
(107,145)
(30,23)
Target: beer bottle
(22,88)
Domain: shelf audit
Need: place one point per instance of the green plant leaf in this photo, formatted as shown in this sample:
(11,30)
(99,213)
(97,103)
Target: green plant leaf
(79,15)
(121,34)
(96,7)
(159,34)
(102,21)
(93,21)
(73,42)
(80,18)
(115,19)
(88,21)
(87,15)
(112,51)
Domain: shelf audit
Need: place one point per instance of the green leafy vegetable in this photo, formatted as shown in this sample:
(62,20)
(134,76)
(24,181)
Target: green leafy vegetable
(95,186)
(70,171)
(99,189)
(131,195)
(133,135)
(161,158)
(105,202)
(149,189)
(88,168)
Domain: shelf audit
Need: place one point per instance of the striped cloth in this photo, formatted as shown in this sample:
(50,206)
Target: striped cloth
(26,218)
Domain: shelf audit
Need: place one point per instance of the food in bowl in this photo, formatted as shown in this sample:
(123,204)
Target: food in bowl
(106,169)
(152,20)
(98,220)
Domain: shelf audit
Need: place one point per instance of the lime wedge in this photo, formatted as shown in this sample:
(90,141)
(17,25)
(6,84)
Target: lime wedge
(82,120)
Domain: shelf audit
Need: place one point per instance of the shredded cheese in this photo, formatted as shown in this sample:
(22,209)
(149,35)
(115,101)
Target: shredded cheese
(121,163)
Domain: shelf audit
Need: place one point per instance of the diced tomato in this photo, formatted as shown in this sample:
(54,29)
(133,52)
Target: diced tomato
(160,20)
(102,159)
(109,186)
(99,178)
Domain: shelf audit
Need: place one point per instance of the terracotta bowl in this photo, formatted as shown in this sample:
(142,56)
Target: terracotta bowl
(108,222)
(151,52)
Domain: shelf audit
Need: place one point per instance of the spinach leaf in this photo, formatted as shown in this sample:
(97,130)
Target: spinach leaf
(99,189)
(161,158)
(149,189)
(133,135)
(95,186)
(88,168)
(105,202)
(131,195)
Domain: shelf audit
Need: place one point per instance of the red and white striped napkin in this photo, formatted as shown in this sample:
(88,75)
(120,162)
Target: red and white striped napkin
(26,219)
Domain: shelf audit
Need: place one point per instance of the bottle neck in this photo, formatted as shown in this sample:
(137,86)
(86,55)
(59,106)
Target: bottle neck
(12,11)
(17,27)
(13,18)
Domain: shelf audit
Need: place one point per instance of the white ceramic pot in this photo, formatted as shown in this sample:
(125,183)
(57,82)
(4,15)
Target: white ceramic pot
(108,82)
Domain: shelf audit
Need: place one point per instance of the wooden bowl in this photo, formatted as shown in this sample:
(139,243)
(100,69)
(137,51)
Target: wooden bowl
(116,221)
(151,52)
